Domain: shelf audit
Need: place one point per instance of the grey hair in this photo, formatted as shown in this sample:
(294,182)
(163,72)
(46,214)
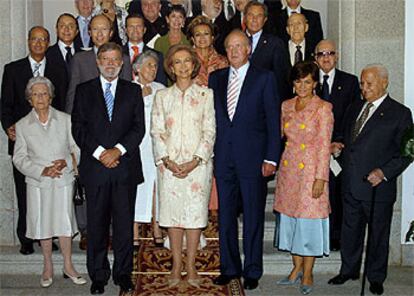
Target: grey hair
(39,80)
(381,70)
(142,58)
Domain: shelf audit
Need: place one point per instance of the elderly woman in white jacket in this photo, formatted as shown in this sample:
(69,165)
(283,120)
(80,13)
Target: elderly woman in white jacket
(44,153)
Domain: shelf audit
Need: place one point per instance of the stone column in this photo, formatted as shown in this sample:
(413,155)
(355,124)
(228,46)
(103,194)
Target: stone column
(372,31)
(16,18)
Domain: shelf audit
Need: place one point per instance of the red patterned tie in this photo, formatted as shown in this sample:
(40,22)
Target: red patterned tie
(136,52)
(232,93)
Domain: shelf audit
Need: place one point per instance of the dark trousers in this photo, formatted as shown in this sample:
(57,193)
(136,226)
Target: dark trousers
(110,202)
(250,193)
(356,217)
(20,185)
(335,199)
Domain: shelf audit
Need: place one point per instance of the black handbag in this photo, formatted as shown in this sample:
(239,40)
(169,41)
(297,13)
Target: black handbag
(78,192)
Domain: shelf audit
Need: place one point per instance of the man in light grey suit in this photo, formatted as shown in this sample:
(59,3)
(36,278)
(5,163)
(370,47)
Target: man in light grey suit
(84,68)
(83,65)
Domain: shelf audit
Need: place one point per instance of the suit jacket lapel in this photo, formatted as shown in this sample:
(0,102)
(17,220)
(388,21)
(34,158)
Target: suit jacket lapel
(117,100)
(100,99)
(27,70)
(247,85)
(223,90)
(261,43)
(378,114)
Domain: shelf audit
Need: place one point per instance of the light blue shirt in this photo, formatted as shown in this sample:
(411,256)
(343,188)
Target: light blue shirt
(255,39)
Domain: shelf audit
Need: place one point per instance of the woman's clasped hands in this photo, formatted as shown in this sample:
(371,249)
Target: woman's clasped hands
(55,170)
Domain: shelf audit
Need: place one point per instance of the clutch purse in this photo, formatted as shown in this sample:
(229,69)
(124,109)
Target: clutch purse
(78,192)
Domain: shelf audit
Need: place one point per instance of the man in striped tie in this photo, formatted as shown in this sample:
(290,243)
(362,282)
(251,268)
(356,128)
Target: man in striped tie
(108,126)
(247,149)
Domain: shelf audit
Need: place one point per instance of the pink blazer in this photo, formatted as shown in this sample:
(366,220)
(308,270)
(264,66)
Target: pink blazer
(306,158)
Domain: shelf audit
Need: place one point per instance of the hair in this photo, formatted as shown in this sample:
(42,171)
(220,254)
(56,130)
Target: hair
(38,27)
(134,15)
(238,31)
(176,8)
(302,69)
(322,41)
(68,15)
(101,15)
(39,80)
(198,21)
(172,51)
(380,68)
(258,4)
(109,46)
(142,58)
(294,14)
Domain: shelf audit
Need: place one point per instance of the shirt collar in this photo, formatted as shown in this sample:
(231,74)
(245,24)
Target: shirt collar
(330,73)
(140,46)
(63,46)
(113,83)
(242,70)
(290,10)
(33,62)
(378,101)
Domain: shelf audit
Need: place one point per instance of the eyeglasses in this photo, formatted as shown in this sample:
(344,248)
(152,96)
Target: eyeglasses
(107,60)
(325,53)
(39,39)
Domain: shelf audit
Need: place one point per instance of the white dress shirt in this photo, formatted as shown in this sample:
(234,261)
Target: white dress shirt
(376,104)
(62,47)
(330,79)
(98,151)
(41,68)
(290,10)
(255,38)
(292,50)
(225,5)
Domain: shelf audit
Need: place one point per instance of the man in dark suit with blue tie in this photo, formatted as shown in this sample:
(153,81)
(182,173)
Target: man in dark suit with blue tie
(247,150)
(341,89)
(108,126)
(371,158)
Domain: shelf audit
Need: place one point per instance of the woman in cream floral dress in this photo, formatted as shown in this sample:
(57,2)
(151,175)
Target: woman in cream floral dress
(183,131)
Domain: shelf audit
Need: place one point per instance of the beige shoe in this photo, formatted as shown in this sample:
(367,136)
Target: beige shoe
(77,280)
(46,283)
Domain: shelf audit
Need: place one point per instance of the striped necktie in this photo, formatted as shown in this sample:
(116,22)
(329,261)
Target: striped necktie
(232,93)
(36,70)
(360,121)
(109,100)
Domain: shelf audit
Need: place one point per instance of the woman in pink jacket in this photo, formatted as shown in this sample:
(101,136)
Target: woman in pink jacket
(301,198)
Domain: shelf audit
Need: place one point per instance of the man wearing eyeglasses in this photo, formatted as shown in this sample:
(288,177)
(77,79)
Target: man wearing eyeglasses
(15,106)
(83,65)
(108,126)
(340,89)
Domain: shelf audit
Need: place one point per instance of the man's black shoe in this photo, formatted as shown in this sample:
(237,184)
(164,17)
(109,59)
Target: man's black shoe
(376,288)
(97,288)
(27,249)
(125,284)
(222,279)
(335,245)
(250,284)
(341,279)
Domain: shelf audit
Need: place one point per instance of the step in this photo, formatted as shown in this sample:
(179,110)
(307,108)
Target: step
(275,262)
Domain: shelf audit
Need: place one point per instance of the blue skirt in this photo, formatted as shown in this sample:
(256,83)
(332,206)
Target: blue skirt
(303,237)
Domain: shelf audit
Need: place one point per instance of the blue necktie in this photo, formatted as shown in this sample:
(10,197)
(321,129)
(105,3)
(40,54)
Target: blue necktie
(325,88)
(109,100)
(85,33)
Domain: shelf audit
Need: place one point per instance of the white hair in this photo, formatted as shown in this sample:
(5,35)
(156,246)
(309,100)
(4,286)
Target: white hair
(39,80)
(142,58)
(380,68)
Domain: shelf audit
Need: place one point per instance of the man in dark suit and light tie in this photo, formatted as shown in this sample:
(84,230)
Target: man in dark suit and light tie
(268,51)
(340,89)
(83,39)
(15,106)
(135,30)
(61,53)
(108,126)
(371,157)
(246,151)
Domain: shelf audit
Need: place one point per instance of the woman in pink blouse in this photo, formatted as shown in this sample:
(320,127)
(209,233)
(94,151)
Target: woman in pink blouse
(301,198)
